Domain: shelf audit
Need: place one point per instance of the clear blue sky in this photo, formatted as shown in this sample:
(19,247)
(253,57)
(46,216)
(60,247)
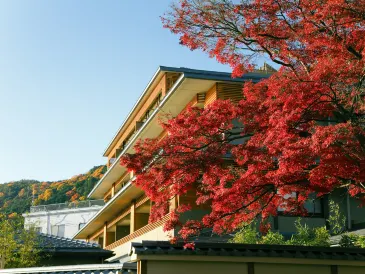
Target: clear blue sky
(70,71)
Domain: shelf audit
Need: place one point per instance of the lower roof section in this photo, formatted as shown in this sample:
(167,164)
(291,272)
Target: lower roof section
(76,269)
(54,244)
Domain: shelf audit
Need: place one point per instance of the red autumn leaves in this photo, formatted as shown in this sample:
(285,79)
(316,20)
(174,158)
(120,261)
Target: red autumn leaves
(303,127)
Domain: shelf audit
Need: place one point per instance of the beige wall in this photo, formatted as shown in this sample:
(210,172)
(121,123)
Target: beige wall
(180,267)
(154,235)
(351,269)
(291,269)
(168,267)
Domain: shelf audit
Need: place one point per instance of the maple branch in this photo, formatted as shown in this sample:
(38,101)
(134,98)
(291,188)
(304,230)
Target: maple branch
(272,188)
(284,17)
(210,143)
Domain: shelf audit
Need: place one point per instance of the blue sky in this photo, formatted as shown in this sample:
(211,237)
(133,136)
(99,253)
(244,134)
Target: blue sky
(70,71)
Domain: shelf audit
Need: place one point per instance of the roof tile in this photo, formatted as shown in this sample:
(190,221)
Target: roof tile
(249,250)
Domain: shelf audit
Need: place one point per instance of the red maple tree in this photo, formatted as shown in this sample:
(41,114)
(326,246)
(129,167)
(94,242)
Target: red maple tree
(301,130)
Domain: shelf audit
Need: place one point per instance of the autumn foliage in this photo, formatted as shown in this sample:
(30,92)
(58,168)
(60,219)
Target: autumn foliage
(17,197)
(301,130)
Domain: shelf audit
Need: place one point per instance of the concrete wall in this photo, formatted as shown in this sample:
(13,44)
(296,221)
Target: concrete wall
(71,218)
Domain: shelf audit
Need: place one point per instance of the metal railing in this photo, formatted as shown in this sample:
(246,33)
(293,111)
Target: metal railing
(67,205)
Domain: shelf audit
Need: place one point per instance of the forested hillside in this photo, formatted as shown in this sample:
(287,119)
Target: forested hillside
(16,197)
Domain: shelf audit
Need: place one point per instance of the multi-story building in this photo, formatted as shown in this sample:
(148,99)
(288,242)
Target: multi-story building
(62,220)
(124,217)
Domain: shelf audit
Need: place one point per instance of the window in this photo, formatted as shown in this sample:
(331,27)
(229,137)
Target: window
(236,132)
(81,225)
(58,230)
(152,108)
(156,102)
(314,205)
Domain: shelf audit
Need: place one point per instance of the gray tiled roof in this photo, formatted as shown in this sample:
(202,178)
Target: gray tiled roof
(55,241)
(248,250)
(50,242)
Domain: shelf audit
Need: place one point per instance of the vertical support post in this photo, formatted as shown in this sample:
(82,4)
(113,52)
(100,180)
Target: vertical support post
(349,224)
(326,210)
(113,190)
(133,217)
(105,235)
(142,267)
(173,204)
(49,228)
(334,269)
(164,88)
(250,268)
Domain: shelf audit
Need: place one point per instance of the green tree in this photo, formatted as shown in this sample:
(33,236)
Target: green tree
(246,235)
(18,247)
(308,236)
(349,240)
(304,235)
(272,238)
(336,220)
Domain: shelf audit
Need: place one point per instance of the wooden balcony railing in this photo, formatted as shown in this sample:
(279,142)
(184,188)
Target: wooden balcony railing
(139,232)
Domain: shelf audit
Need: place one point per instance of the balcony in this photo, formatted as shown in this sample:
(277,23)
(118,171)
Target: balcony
(152,231)
(127,221)
(142,231)
(64,206)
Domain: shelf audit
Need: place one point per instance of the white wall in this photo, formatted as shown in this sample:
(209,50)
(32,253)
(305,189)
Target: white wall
(70,218)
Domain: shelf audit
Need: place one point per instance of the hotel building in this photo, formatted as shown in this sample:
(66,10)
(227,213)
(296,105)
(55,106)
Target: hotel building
(124,217)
